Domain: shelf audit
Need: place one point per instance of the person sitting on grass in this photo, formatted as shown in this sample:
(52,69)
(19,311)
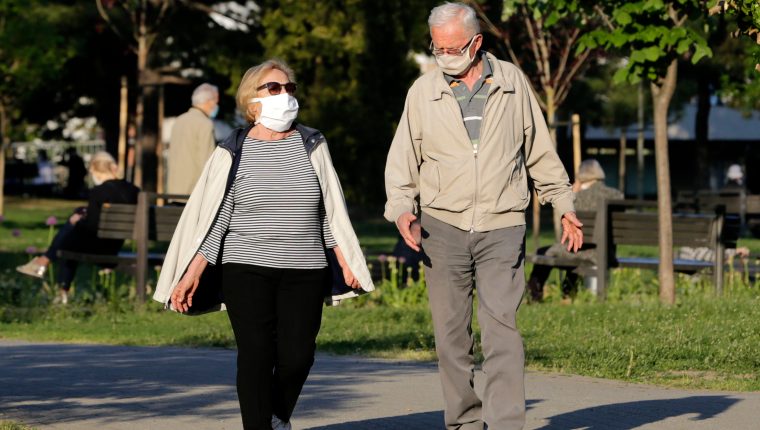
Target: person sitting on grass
(79,233)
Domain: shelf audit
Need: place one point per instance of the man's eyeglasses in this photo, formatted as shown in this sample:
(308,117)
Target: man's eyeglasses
(276,87)
(458,52)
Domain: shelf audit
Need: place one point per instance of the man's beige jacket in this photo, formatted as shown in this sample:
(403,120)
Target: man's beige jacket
(478,189)
(206,199)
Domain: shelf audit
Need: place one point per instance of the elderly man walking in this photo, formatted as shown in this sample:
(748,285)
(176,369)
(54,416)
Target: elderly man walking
(470,137)
(192,140)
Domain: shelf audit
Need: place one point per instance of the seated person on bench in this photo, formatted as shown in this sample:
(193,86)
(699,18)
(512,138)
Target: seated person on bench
(589,190)
(79,233)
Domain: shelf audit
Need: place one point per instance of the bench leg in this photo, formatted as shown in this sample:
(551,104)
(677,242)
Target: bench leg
(718,270)
(141,239)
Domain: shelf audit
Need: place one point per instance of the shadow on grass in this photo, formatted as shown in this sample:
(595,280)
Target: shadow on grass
(401,341)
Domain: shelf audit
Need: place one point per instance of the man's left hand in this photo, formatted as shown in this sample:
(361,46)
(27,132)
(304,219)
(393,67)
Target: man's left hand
(572,232)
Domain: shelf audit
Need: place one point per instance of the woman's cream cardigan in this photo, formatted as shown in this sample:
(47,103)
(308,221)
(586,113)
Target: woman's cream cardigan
(205,202)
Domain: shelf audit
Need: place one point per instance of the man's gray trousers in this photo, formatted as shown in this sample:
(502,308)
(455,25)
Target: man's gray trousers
(456,261)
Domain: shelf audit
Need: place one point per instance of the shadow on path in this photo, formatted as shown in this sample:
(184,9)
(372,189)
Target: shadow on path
(631,415)
(418,421)
(117,384)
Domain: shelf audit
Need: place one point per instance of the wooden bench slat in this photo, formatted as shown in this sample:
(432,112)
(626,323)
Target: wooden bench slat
(681,266)
(117,217)
(114,225)
(142,222)
(636,223)
(115,235)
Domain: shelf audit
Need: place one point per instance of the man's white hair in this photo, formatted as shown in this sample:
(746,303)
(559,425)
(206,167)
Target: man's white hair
(204,93)
(447,12)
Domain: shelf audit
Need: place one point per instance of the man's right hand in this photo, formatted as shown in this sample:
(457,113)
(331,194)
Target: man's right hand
(403,223)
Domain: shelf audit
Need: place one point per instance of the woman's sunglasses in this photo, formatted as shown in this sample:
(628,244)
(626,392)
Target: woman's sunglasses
(276,87)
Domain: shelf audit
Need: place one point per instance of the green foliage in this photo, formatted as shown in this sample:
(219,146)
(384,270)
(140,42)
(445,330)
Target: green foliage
(550,12)
(738,83)
(352,63)
(32,49)
(652,33)
(10,425)
(702,342)
(540,37)
(397,288)
(745,13)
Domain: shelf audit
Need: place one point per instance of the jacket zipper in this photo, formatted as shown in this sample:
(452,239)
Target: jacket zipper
(475,156)
(477,186)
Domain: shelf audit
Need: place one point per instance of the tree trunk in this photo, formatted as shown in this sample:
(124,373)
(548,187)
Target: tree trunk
(701,130)
(4,140)
(142,61)
(662,93)
(551,119)
(621,160)
(640,146)
(146,112)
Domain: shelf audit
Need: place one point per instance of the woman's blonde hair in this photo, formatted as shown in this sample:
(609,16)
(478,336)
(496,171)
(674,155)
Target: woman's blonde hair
(252,80)
(103,163)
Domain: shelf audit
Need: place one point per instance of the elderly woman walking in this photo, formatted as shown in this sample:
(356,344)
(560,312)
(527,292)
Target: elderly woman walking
(260,223)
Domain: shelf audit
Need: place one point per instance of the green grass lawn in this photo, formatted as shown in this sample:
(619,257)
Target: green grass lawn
(13,425)
(702,342)
(24,223)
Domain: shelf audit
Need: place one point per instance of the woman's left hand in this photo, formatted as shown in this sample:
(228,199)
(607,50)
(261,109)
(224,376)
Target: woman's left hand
(349,277)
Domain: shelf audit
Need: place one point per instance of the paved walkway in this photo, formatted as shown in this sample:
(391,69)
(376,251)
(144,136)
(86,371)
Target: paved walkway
(74,387)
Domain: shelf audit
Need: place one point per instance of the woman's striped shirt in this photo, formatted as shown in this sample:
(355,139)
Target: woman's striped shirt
(273,215)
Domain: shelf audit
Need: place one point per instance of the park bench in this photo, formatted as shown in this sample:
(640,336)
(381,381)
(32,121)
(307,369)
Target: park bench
(745,206)
(625,222)
(144,223)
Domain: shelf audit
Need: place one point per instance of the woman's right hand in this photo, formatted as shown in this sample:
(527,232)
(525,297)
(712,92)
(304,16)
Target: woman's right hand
(182,296)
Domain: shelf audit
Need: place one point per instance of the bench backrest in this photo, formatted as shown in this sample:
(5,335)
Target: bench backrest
(162,222)
(124,221)
(117,221)
(636,223)
(641,228)
(588,219)
(706,201)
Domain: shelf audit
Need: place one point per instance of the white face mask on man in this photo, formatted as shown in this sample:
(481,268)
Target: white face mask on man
(455,65)
(277,112)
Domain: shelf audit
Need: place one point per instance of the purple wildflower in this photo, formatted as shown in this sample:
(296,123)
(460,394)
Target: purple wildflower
(402,260)
(51,221)
(16,232)
(382,258)
(31,249)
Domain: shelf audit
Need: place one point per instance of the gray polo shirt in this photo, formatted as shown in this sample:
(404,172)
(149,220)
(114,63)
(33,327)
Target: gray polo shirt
(472,103)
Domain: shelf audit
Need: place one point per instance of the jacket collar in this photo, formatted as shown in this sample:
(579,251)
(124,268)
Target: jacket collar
(311,138)
(500,81)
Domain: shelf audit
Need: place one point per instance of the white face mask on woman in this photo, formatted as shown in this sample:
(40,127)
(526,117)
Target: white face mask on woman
(277,112)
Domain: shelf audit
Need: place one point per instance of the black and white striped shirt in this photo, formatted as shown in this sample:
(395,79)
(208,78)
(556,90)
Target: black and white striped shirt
(273,214)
